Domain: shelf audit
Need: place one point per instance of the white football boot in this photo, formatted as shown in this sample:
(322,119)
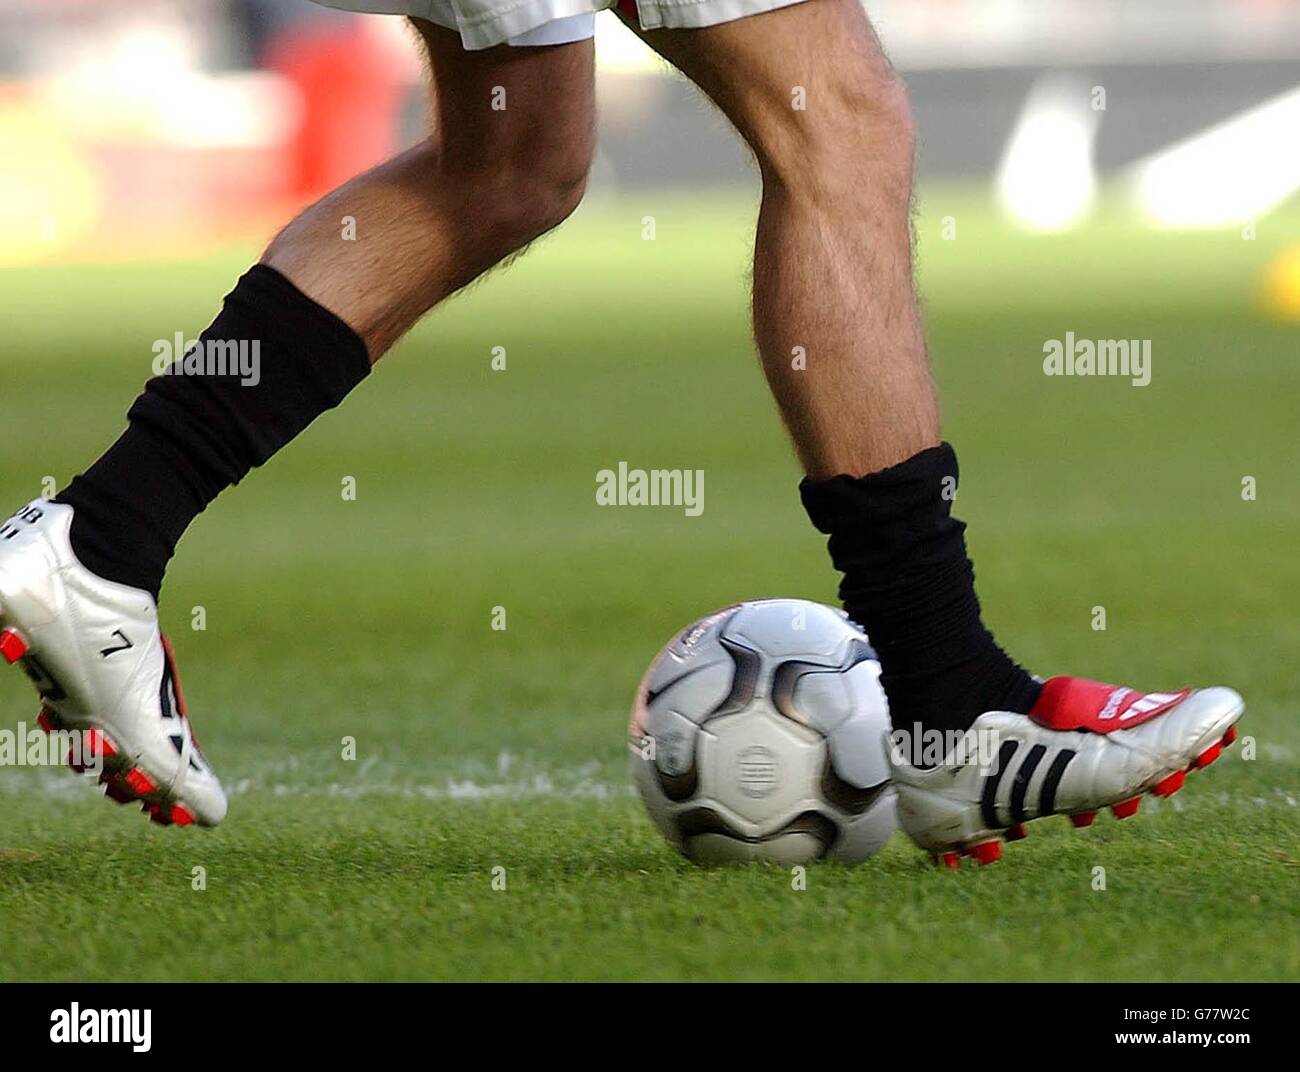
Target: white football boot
(95,653)
(1084,746)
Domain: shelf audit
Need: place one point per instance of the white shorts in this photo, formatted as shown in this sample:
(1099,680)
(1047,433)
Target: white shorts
(484,23)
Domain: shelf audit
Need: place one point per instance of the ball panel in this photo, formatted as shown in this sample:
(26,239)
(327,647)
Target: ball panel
(857,749)
(662,811)
(696,696)
(863,682)
(846,798)
(865,835)
(786,850)
(760,766)
(708,839)
(812,696)
(672,741)
(790,629)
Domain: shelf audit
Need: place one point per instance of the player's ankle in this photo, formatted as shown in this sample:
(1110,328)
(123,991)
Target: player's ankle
(207,421)
(947,697)
(909,583)
(129,510)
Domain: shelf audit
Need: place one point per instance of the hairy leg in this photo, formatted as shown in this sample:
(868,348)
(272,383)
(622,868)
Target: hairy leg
(486,181)
(811,92)
(813,95)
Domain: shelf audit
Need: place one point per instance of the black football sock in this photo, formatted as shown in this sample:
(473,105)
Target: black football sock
(270,364)
(908,583)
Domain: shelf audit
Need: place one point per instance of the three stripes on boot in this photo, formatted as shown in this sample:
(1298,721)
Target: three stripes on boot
(1020,783)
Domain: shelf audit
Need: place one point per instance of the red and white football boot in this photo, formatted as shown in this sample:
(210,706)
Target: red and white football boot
(1084,746)
(95,653)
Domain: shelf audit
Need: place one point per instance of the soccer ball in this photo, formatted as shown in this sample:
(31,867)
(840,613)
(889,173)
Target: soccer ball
(758,733)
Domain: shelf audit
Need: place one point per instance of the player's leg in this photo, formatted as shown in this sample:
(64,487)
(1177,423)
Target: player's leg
(809,89)
(811,92)
(79,577)
(340,284)
(839,333)
(513,133)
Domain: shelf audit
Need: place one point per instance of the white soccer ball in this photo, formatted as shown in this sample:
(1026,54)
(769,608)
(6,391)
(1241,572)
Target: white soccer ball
(758,733)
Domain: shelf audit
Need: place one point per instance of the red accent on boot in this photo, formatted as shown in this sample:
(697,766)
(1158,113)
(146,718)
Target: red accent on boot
(1167,787)
(1075,703)
(1125,808)
(141,784)
(1208,756)
(12,646)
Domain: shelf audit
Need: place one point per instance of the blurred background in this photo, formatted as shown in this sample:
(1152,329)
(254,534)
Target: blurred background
(156,128)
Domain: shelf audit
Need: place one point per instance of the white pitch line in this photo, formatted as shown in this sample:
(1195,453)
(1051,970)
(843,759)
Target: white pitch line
(472,782)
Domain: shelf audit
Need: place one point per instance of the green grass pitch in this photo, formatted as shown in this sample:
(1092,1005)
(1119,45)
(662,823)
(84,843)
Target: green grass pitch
(480,749)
